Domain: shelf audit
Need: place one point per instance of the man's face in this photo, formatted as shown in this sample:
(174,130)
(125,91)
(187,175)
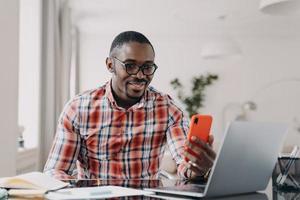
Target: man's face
(130,87)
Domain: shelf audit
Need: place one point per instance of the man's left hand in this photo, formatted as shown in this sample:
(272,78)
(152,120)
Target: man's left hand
(200,156)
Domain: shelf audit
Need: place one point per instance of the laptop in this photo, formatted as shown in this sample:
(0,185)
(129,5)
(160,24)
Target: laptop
(244,163)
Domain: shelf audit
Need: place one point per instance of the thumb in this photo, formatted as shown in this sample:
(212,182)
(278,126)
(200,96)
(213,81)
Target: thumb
(210,139)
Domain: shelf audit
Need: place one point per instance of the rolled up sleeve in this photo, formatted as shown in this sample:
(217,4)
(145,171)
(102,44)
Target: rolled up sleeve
(66,145)
(178,126)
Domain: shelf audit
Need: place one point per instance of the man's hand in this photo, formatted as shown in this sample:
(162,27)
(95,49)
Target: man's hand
(200,156)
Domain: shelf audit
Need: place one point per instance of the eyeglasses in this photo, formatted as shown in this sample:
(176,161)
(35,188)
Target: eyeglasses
(132,68)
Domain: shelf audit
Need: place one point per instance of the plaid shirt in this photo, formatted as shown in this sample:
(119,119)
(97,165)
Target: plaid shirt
(96,138)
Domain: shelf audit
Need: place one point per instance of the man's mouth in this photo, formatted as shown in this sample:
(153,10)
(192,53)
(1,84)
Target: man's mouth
(137,85)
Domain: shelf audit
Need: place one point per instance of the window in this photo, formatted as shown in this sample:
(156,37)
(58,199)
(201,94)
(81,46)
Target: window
(29,70)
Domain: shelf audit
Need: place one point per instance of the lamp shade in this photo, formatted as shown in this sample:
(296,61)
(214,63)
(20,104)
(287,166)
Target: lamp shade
(280,7)
(220,48)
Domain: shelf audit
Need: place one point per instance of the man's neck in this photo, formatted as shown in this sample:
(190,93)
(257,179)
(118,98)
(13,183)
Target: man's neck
(122,102)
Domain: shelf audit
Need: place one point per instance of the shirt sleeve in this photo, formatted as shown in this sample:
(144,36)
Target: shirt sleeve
(66,145)
(178,126)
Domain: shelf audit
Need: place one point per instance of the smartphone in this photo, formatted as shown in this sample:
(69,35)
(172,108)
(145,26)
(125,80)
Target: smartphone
(200,127)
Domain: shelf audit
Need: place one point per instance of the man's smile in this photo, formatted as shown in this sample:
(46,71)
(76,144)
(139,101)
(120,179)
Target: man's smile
(137,85)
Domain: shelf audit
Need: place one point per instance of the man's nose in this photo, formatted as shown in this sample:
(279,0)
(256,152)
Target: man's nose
(140,74)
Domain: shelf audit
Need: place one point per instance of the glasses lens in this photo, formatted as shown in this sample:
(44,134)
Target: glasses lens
(131,68)
(149,70)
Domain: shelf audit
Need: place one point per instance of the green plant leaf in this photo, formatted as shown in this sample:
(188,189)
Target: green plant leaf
(196,101)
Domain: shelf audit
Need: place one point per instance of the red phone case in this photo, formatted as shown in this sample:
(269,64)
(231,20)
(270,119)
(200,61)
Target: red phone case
(200,126)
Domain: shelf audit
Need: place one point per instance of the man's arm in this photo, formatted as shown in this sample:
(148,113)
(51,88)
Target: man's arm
(178,126)
(202,156)
(66,145)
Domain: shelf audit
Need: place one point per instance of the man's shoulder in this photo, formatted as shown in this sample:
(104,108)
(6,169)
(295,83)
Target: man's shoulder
(153,93)
(98,92)
(166,100)
(92,94)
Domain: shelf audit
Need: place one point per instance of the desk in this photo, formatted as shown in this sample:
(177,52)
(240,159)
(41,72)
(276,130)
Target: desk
(269,194)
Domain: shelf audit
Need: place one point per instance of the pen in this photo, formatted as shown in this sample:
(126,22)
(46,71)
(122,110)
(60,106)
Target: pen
(282,176)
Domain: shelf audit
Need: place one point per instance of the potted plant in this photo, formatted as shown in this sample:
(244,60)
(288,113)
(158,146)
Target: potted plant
(196,101)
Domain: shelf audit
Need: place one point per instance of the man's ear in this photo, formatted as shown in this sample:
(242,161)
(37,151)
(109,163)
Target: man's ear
(110,65)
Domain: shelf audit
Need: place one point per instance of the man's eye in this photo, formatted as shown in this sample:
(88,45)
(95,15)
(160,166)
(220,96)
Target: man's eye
(130,65)
(148,65)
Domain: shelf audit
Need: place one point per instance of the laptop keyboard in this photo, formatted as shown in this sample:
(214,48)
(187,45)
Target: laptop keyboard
(187,188)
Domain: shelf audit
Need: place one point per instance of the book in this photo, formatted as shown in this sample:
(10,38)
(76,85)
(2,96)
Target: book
(31,184)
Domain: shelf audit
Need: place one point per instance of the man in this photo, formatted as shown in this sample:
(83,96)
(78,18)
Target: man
(120,129)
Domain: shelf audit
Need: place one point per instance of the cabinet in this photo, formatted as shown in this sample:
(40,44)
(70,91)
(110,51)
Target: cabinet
(27,160)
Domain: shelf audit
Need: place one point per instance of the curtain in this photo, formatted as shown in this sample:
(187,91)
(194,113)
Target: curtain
(55,70)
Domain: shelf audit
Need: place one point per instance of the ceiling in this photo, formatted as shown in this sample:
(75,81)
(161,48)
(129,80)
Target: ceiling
(189,18)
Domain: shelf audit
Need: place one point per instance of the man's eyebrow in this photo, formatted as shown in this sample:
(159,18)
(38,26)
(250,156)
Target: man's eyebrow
(133,60)
(129,60)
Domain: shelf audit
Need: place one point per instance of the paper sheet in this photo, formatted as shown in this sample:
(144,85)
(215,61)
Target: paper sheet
(32,180)
(96,192)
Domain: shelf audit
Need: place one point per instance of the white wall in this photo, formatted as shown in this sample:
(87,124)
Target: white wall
(9,40)
(265,59)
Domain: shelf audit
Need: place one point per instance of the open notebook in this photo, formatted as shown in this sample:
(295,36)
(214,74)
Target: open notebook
(31,184)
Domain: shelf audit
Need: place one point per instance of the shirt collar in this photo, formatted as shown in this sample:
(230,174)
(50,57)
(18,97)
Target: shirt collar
(111,98)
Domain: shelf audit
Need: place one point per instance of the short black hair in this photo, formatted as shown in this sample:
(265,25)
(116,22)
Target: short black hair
(129,36)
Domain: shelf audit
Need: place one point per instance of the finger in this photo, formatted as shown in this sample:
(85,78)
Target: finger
(200,142)
(205,161)
(211,139)
(201,156)
(190,157)
(188,148)
(197,141)
(197,171)
(210,152)
(201,159)
(200,146)
(194,148)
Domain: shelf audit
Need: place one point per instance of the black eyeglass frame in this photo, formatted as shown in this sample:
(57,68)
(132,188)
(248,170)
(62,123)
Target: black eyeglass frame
(140,68)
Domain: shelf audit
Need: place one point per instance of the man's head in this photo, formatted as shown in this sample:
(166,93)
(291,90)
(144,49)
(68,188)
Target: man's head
(131,62)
